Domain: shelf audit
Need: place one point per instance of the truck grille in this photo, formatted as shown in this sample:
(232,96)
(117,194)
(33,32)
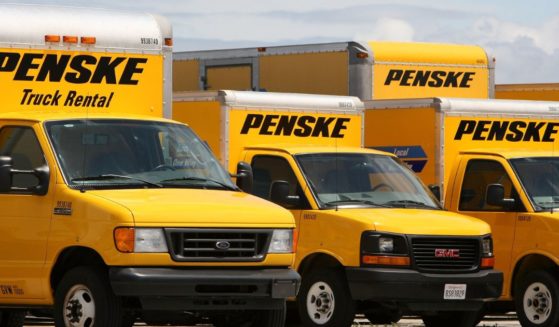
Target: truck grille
(210,245)
(446,254)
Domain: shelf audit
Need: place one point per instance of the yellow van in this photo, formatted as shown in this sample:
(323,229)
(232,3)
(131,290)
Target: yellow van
(495,160)
(371,238)
(107,216)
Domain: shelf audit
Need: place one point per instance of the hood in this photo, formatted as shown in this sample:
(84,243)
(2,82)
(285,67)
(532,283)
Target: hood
(198,208)
(417,221)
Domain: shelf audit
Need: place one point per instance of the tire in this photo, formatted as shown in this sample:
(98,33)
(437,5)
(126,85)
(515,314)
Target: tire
(12,318)
(536,300)
(324,299)
(452,318)
(84,298)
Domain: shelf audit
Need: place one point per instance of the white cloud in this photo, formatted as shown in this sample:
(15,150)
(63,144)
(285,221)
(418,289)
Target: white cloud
(388,29)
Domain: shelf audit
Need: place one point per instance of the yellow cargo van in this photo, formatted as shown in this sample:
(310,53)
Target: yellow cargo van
(495,160)
(368,70)
(107,216)
(535,91)
(371,238)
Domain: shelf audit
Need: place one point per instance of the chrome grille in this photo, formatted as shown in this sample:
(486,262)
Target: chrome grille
(446,254)
(218,244)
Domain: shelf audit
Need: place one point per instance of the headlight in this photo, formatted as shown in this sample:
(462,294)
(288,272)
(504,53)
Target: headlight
(487,247)
(386,244)
(384,249)
(140,240)
(282,241)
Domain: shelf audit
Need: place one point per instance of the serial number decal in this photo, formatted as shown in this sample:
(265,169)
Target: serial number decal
(309,216)
(63,208)
(149,40)
(525,218)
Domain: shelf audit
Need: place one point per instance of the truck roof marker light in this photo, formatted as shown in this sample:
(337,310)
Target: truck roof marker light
(70,39)
(261,49)
(488,262)
(124,239)
(168,41)
(362,55)
(52,38)
(385,260)
(88,40)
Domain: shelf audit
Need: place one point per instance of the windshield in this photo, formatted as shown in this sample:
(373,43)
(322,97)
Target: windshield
(339,179)
(131,153)
(540,179)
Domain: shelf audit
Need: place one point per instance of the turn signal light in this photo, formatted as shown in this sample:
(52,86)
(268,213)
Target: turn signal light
(385,260)
(362,55)
(124,239)
(168,41)
(488,262)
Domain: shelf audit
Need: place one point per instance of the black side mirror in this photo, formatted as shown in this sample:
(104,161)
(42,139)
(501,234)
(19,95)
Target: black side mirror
(279,193)
(5,174)
(6,178)
(244,176)
(436,190)
(495,196)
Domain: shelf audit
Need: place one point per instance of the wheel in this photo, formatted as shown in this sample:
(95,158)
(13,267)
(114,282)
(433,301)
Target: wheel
(324,299)
(84,298)
(536,300)
(12,318)
(260,318)
(452,318)
(383,318)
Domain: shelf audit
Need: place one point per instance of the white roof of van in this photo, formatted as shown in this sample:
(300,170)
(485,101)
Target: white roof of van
(26,26)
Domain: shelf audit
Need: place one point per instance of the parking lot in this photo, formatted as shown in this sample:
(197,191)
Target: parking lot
(490,321)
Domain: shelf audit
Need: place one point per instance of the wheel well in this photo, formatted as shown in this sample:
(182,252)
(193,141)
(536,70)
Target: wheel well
(71,258)
(318,260)
(528,264)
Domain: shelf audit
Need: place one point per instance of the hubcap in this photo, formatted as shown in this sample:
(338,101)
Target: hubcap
(320,303)
(79,307)
(537,303)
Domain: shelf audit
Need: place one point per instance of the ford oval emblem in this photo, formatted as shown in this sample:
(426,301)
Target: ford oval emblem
(222,245)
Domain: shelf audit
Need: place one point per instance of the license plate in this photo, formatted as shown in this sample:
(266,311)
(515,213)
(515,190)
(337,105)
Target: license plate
(455,291)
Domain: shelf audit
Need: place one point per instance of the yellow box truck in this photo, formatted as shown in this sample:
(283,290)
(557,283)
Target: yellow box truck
(535,91)
(107,215)
(495,160)
(368,70)
(371,238)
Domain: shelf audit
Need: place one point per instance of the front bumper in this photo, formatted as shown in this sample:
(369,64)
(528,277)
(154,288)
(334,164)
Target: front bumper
(423,291)
(205,289)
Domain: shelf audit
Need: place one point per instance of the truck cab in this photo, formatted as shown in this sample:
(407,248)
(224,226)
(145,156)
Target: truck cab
(516,193)
(372,239)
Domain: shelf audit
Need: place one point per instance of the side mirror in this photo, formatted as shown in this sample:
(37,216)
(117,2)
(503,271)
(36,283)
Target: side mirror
(279,194)
(436,190)
(244,176)
(495,196)
(43,175)
(5,174)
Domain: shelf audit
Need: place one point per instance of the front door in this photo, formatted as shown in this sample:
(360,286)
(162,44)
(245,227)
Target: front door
(24,218)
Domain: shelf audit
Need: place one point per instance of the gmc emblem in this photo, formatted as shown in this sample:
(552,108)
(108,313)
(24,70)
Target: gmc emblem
(447,253)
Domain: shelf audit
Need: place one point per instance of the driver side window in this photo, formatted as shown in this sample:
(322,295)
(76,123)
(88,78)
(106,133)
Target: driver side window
(267,169)
(21,144)
(478,176)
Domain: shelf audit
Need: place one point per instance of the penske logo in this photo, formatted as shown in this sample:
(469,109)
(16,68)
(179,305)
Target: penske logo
(301,126)
(75,69)
(512,131)
(429,78)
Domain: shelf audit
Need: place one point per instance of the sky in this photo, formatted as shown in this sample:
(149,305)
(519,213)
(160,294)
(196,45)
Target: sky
(523,35)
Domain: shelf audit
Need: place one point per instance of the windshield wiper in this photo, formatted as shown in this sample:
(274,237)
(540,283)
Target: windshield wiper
(337,202)
(114,176)
(409,203)
(200,179)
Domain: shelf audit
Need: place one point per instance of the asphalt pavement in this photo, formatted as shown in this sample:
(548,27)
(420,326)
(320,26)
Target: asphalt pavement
(508,320)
